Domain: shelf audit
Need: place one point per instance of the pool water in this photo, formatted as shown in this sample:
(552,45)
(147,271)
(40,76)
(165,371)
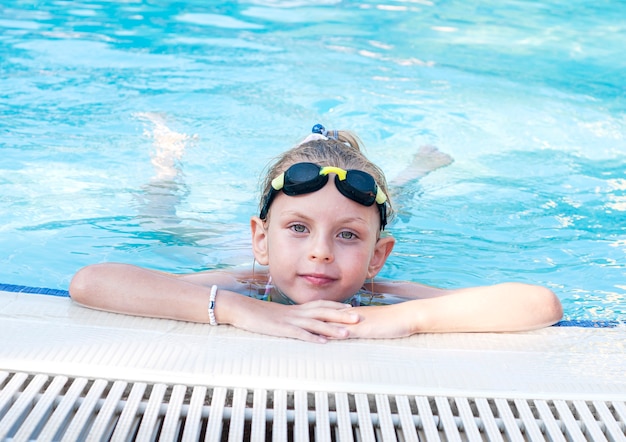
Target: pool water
(136,132)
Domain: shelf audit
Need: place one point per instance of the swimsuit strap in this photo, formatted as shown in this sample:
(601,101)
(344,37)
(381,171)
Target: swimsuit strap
(268,289)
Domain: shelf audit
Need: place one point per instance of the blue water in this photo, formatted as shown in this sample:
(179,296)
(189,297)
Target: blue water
(527,97)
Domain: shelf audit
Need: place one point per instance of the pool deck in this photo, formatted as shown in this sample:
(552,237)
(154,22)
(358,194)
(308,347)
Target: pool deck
(52,335)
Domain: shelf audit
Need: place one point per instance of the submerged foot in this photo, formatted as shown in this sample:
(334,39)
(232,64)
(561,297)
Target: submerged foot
(169,145)
(427,159)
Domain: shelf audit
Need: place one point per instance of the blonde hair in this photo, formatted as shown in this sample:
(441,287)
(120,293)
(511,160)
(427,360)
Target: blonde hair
(345,152)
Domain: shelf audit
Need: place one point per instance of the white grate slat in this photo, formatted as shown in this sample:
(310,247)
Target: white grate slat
(467,417)
(128,418)
(620,410)
(42,410)
(385,420)
(590,424)
(366,430)
(552,427)
(87,409)
(615,433)
(65,407)
(150,416)
(489,422)
(21,404)
(259,413)
(279,433)
(572,427)
(214,427)
(172,421)
(344,423)
(101,423)
(530,427)
(511,426)
(406,419)
(447,419)
(237,416)
(428,420)
(193,421)
(322,423)
(9,391)
(301,420)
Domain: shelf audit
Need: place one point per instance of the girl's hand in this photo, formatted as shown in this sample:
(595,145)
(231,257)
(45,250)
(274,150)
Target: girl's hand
(385,321)
(315,321)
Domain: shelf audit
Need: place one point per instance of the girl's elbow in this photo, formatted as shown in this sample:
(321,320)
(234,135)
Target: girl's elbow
(549,305)
(82,284)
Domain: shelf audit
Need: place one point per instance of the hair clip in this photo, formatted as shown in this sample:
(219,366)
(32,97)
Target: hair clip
(319,129)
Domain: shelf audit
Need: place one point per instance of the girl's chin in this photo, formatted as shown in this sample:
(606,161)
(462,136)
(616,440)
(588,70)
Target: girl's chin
(304,296)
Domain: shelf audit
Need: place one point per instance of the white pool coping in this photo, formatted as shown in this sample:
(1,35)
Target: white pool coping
(53,335)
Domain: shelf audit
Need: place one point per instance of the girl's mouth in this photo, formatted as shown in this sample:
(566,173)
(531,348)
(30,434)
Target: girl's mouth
(318,279)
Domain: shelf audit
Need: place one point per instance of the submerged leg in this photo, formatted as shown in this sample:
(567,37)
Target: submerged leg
(159,198)
(169,146)
(427,159)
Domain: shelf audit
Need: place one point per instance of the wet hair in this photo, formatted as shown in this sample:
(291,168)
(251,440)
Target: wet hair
(345,152)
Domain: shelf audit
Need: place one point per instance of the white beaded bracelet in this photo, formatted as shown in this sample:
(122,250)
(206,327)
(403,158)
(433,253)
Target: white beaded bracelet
(212,320)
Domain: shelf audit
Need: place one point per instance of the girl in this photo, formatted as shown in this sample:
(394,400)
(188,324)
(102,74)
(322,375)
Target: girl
(319,235)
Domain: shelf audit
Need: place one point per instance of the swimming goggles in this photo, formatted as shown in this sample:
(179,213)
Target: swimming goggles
(302,178)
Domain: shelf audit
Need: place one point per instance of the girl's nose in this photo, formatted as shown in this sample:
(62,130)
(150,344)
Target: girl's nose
(321,250)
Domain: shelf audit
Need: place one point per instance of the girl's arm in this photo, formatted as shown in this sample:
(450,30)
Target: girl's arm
(498,308)
(132,290)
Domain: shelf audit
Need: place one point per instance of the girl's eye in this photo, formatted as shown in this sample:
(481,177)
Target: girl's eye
(347,235)
(298,228)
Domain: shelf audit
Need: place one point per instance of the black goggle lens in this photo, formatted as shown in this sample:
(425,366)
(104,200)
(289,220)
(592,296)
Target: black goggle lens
(303,178)
(358,186)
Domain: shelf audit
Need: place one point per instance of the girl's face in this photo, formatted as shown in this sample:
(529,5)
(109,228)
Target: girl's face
(320,245)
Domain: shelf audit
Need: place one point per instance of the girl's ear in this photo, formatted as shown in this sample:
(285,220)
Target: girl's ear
(383,248)
(259,240)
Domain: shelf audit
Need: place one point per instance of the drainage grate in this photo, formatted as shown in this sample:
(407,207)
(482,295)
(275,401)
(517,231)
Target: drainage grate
(51,408)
